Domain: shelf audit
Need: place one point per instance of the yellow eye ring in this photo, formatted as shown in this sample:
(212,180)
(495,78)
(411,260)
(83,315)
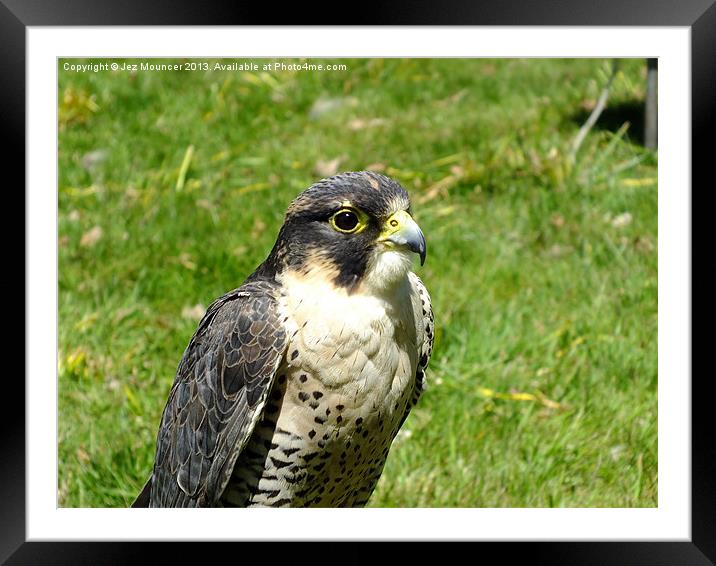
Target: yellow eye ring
(347,221)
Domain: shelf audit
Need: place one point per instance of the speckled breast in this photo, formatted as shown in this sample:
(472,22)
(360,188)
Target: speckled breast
(335,407)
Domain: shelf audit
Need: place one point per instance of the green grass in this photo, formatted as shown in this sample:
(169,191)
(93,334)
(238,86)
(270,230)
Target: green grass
(543,382)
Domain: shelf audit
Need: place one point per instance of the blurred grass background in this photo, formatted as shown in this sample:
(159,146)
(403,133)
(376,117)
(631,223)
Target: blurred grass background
(542,268)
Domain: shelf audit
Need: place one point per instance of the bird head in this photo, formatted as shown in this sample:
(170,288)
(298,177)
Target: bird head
(354,229)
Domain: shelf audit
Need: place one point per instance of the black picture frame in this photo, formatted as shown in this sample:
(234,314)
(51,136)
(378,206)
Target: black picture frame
(698,15)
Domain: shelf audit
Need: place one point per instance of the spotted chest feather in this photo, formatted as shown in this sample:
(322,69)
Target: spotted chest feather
(342,392)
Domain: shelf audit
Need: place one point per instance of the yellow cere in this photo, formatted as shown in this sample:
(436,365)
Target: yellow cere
(396,221)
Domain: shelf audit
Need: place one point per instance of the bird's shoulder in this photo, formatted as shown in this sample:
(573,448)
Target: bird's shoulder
(425,321)
(218,394)
(423,308)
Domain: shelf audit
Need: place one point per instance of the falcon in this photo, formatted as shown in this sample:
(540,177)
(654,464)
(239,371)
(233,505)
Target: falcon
(294,385)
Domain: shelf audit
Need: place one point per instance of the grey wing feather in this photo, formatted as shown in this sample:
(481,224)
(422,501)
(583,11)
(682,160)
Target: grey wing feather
(425,349)
(217,397)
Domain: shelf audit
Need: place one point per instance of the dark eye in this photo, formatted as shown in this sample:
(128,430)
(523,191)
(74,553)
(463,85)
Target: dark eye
(345,220)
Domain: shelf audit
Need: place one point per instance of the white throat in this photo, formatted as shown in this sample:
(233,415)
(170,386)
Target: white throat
(386,270)
(367,333)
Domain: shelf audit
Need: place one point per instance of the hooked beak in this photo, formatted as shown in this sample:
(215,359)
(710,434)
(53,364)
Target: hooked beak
(401,230)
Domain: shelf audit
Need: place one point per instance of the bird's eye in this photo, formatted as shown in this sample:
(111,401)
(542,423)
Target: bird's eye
(345,221)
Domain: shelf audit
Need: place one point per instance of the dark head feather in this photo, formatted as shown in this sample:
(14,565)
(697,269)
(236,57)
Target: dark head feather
(307,240)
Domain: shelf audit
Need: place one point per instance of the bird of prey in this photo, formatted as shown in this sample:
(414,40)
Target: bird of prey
(294,385)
